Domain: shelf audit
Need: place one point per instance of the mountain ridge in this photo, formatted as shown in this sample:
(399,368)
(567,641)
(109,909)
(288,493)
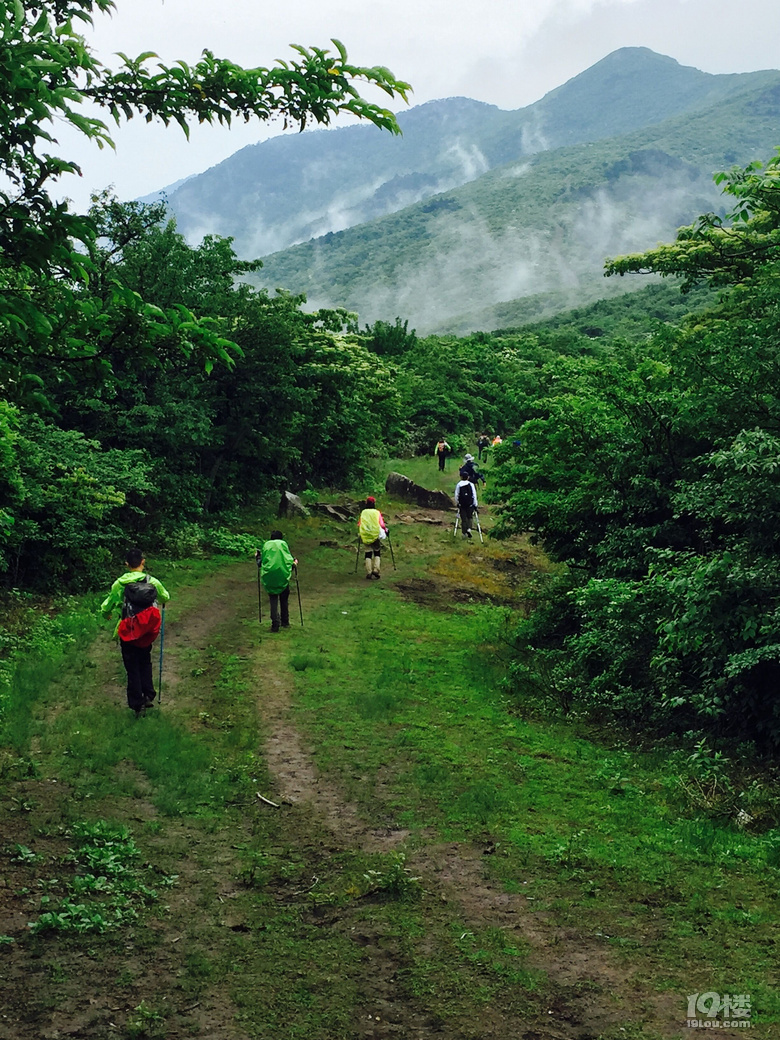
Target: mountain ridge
(540,226)
(477,206)
(293,188)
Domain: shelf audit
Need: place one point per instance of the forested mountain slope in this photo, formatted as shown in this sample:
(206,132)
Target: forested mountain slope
(541,225)
(293,188)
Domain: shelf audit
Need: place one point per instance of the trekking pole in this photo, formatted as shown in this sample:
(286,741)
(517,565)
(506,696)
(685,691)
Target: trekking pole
(259,592)
(297,586)
(476,514)
(457,518)
(357,556)
(392,554)
(162,643)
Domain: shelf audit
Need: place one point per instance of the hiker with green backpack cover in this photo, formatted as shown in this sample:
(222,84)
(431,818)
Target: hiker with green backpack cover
(137,594)
(276,565)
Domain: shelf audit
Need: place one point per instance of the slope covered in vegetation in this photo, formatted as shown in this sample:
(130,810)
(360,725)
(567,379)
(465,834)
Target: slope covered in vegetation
(532,228)
(289,189)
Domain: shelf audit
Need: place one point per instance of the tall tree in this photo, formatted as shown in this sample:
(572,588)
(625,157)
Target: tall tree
(48,72)
(109,323)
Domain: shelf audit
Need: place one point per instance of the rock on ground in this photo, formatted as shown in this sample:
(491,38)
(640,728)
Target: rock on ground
(291,505)
(402,487)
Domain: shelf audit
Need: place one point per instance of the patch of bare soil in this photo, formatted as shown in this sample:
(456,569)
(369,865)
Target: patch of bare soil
(482,573)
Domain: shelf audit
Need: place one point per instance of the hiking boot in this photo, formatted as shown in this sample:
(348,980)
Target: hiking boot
(376,575)
(274,628)
(285,624)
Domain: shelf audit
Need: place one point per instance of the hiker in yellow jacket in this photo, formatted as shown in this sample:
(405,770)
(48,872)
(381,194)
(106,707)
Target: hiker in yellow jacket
(372,530)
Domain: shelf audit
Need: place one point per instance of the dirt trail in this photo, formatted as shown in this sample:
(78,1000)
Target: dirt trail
(594,993)
(297,779)
(591,993)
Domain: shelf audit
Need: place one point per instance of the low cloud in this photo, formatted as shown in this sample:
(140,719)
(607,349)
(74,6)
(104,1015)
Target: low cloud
(475,267)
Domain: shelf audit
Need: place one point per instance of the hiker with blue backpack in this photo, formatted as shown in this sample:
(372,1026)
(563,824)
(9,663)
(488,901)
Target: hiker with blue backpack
(137,595)
(468,471)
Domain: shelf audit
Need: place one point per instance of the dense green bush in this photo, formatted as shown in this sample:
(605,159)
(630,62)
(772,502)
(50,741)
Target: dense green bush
(67,503)
(655,476)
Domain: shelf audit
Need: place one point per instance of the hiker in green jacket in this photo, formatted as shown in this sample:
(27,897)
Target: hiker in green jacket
(137,650)
(276,567)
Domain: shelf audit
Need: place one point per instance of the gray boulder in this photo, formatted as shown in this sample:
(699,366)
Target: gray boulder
(344,514)
(402,487)
(291,505)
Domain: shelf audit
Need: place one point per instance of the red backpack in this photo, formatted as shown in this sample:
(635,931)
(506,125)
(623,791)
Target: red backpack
(141,618)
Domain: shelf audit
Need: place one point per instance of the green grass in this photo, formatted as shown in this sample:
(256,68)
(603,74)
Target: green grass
(406,716)
(409,704)
(53,642)
(193,768)
(424,469)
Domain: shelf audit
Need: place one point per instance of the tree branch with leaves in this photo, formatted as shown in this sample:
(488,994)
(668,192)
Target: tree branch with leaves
(48,72)
(721,250)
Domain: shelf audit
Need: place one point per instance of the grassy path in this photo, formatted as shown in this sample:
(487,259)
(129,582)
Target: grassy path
(435,865)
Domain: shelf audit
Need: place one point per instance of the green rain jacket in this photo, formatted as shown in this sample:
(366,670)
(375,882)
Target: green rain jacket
(276,566)
(116,596)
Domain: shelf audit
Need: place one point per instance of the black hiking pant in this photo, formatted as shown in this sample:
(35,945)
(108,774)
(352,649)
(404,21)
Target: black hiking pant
(442,456)
(280,600)
(466,520)
(138,665)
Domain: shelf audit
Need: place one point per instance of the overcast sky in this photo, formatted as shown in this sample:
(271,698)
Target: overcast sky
(505,52)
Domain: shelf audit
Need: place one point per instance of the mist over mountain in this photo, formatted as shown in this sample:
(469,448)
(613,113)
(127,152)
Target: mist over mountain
(296,187)
(475,206)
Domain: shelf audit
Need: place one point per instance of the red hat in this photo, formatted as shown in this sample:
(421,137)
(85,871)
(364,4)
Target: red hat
(370,501)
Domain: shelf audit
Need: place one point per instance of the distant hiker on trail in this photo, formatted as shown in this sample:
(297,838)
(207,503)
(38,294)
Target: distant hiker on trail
(276,564)
(466,501)
(372,530)
(496,441)
(137,594)
(441,453)
(468,471)
(483,443)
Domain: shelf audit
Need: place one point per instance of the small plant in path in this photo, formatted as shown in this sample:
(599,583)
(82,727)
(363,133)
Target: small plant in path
(108,887)
(394,881)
